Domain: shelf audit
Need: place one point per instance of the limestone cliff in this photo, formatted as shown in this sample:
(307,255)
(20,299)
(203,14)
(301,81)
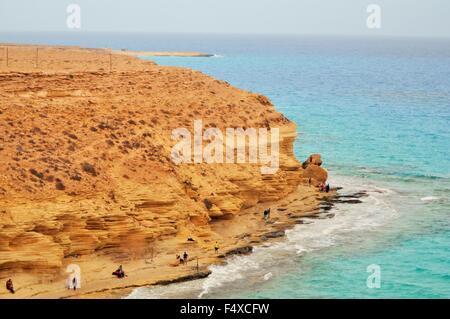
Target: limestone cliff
(85,161)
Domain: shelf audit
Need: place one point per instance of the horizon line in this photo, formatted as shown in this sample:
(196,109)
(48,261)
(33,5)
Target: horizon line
(355,35)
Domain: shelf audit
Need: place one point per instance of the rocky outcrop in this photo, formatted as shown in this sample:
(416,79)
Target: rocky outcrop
(314,159)
(313,171)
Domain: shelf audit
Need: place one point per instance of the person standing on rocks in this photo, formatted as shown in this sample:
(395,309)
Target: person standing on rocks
(266,214)
(216,247)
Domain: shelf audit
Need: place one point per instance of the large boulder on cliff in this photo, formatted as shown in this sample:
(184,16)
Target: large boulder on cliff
(312,171)
(313,159)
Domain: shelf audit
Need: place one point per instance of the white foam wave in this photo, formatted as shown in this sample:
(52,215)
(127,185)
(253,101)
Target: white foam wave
(268,276)
(429,198)
(233,271)
(349,220)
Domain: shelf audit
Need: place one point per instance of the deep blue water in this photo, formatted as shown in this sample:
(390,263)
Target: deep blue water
(378,110)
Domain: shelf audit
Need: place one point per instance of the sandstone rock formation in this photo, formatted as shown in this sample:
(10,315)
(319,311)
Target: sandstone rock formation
(85,161)
(314,159)
(313,170)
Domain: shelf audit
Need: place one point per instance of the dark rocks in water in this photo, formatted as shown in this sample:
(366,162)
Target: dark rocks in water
(342,196)
(354,195)
(245,250)
(320,216)
(302,222)
(352,201)
(327,203)
(316,216)
(274,234)
(347,201)
(326,207)
(360,194)
(199,275)
(335,200)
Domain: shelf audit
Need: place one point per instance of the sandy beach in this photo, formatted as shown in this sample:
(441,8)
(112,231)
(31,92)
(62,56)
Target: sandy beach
(86,176)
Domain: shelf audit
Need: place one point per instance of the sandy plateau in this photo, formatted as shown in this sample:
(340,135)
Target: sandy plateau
(86,176)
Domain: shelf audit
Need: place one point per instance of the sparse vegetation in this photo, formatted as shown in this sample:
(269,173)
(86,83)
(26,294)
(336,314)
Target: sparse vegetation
(59,185)
(89,168)
(36,173)
(207,203)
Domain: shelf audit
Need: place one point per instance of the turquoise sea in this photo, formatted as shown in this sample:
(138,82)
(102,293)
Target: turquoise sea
(378,110)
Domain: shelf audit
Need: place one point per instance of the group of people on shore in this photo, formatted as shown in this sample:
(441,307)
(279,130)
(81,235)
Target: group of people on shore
(120,273)
(183,259)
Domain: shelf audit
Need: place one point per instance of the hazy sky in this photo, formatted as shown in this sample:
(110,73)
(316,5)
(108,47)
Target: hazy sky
(398,17)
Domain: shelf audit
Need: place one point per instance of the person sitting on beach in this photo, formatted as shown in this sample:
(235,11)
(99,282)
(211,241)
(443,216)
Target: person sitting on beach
(10,286)
(216,247)
(119,273)
(266,214)
(181,261)
(327,188)
(185,257)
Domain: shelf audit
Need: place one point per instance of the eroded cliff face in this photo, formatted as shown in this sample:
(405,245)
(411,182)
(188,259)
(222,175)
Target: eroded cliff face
(85,158)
